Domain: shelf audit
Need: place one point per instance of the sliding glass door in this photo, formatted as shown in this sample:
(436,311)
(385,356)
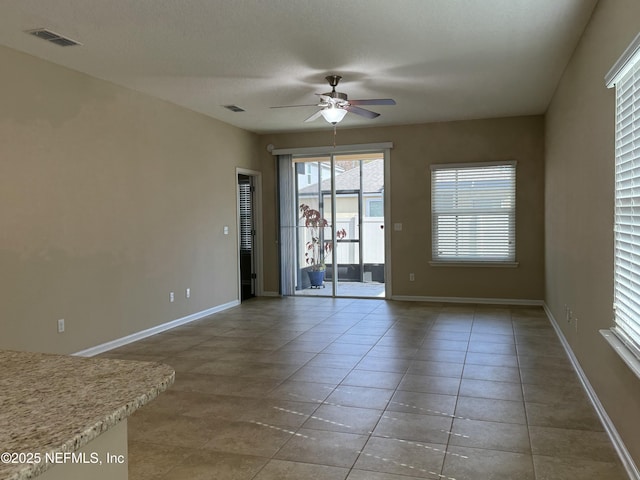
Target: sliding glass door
(314,232)
(339,233)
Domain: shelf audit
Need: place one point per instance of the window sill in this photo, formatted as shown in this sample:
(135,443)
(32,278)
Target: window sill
(474,264)
(621,349)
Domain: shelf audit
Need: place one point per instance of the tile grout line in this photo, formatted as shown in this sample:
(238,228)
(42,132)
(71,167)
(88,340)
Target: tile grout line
(524,403)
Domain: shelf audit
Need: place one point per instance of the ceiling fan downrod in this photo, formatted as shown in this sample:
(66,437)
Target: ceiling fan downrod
(333,81)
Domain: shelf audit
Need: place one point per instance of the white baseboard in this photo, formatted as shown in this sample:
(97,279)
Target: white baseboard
(134,337)
(618,444)
(483,301)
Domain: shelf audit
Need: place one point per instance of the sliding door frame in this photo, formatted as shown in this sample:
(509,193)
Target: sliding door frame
(331,151)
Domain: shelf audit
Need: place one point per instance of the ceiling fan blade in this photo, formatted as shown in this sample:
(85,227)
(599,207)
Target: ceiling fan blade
(291,106)
(374,101)
(314,116)
(361,111)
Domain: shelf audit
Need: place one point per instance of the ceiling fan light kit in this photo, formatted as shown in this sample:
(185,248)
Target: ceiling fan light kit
(333,114)
(335,105)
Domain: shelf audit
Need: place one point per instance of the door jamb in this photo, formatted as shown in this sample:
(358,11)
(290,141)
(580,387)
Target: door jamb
(387,223)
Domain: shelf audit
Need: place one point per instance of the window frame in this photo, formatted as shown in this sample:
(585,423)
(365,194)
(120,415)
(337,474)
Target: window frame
(369,201)
(624,335)
(437,211)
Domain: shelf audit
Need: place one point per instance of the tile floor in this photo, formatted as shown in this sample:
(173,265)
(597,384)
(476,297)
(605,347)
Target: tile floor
(335,389)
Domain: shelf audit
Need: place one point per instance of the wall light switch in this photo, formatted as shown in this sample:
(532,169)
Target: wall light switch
(225,230)
(187,293)
(61,325)
(172,297)
(397,227)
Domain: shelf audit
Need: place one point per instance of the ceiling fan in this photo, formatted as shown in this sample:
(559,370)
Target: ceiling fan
(335,105)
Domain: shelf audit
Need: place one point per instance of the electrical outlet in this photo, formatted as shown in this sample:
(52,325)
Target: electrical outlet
(61,325)
(412,277)
(172,297)
(570,316)
(187,293)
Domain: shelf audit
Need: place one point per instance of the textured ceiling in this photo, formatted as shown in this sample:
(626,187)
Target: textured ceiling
(439,59)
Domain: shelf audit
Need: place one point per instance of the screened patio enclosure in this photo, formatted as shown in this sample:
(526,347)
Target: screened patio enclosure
(346,195)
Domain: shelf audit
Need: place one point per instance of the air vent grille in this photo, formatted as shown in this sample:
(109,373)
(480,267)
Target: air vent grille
(53,37)
(234,108)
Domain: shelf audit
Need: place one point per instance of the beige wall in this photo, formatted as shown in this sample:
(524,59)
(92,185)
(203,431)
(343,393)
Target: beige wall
(109,200)
(579,210)
(415,148)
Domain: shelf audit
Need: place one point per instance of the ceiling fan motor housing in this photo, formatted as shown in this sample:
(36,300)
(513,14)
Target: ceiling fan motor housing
(333,83)
(337,95)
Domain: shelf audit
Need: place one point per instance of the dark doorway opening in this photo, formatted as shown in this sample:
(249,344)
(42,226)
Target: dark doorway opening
(246,191)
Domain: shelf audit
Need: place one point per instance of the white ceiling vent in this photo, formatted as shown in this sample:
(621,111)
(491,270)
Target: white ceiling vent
(53,37)
(234,108)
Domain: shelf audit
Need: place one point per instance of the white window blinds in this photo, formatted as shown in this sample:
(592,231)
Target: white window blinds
(627,200)
(246,220)
(473,212)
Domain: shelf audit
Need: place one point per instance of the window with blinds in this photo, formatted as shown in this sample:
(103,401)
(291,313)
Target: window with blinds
(246,220)
(625,76)
(473,212)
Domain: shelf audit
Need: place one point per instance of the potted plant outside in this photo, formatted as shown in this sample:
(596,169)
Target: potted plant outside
(317,247)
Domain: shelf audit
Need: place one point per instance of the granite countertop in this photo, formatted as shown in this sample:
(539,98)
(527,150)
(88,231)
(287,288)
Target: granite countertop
(58,403)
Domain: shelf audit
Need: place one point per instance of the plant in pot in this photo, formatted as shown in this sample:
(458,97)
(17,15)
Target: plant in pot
(317,247)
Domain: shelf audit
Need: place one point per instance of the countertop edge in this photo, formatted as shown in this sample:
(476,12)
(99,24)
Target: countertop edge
(78,441)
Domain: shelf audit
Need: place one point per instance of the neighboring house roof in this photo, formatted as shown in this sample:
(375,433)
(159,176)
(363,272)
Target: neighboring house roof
(372,179)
